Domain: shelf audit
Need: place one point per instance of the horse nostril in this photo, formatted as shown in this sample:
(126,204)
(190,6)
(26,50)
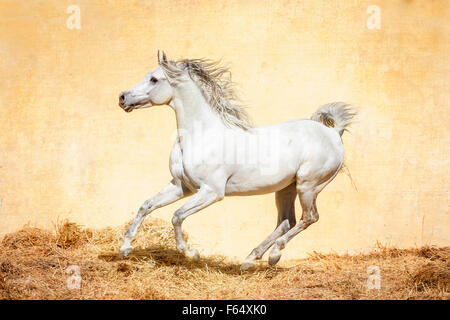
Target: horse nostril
(122,98)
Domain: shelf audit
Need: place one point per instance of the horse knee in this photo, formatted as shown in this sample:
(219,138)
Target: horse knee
(145,208)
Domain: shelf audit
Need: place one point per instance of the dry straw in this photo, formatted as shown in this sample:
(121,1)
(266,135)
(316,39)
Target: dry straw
(33,264)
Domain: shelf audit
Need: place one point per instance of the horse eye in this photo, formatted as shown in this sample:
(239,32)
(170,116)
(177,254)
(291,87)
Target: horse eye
(154,80)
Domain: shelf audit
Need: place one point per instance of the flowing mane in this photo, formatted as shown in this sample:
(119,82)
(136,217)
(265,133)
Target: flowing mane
(216,86)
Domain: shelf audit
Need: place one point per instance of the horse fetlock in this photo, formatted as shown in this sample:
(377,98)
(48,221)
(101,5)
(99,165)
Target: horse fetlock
(259,255)
(192,254)
(125,250)
(176,220)
(181,247)
(280,243)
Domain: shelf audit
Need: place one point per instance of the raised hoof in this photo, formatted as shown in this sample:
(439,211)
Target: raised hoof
(124,252)
(192,254)
(246,265)
(274,257)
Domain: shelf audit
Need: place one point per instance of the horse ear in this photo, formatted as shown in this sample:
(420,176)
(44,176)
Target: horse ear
(162,59)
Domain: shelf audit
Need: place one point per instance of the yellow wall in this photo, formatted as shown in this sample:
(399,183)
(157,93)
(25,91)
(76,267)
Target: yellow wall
(68,150)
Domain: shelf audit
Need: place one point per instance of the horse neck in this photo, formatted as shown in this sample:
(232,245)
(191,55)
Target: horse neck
(192,110)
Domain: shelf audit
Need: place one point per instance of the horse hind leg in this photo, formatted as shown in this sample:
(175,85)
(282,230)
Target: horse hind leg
(285,201)
(307,192)
(309,216)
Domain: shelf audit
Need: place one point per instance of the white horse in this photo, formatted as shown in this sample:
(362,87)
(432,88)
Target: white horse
(217,153)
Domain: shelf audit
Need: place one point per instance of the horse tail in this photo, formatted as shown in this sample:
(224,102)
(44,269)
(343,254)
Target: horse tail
(337,115)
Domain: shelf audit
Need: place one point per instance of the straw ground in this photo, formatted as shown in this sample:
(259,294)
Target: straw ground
(33,264)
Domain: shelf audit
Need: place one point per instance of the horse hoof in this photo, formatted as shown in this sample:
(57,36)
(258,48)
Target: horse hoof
(274,257)
(246,265)
(192,254)
(124,252)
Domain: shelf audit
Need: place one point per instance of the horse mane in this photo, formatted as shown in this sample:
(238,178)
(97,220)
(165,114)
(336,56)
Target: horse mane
(214,81)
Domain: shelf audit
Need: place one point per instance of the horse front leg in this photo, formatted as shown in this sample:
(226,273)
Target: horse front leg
(203,198)
(171,193)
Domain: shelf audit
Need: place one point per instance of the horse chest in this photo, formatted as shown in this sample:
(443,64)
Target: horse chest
(187,165)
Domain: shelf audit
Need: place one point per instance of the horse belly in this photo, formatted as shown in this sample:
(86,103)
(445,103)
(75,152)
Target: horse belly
(260,180)
(253,190)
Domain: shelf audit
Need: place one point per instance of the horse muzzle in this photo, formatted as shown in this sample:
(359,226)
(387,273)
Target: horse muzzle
(122,103)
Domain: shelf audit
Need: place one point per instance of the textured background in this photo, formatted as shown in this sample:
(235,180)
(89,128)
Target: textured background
(68,150)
